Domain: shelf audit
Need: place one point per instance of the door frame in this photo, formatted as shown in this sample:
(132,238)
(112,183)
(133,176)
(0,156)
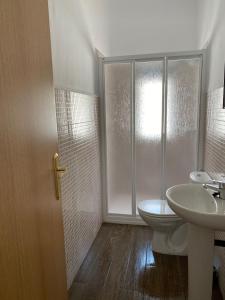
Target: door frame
(164,57)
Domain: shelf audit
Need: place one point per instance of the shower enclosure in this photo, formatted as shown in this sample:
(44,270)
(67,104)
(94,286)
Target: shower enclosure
(152,135)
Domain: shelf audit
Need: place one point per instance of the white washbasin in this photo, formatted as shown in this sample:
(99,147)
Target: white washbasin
(196,205)
(204,214)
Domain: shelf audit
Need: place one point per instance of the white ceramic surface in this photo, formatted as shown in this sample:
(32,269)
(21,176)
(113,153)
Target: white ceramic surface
(200,177)
(156,207)
(200,262)
(197,206)
(169,230)
(204,215)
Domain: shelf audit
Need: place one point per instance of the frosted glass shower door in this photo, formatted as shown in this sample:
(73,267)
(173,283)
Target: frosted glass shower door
(183,86)
(118,82)
(148,129)
(152,110)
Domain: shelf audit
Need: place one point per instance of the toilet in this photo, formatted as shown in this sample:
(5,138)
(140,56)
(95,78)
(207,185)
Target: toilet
(169,230)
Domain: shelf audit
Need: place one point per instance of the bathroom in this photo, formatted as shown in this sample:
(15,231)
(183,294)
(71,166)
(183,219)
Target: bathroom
(113,135)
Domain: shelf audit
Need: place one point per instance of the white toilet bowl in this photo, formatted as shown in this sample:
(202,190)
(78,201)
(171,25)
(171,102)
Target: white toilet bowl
(169,230)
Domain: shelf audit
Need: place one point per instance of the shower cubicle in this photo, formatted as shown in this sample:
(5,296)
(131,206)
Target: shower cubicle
(152,120)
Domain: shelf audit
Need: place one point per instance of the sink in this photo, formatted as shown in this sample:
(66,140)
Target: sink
(204,214)
(197,206)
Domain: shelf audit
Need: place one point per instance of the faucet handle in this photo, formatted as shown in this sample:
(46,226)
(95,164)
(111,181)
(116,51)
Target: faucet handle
(220,183)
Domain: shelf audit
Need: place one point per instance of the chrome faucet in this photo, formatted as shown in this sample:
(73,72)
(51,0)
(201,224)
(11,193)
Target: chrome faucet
(218,187)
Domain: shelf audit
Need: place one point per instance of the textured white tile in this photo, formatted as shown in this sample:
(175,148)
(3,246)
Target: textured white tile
(79,149)
(215,157)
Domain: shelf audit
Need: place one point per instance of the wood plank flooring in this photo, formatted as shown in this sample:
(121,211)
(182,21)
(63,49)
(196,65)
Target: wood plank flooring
(121,266)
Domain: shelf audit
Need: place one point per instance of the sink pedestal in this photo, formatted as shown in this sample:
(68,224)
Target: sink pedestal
(200,262)
(204,214)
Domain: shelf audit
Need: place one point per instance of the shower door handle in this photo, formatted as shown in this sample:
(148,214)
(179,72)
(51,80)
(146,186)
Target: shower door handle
(58,173)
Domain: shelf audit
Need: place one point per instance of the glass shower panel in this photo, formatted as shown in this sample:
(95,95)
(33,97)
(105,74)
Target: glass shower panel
(118,81)
(184,84)
(148,127)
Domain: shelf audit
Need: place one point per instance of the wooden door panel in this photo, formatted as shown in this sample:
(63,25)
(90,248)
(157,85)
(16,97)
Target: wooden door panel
(31,233)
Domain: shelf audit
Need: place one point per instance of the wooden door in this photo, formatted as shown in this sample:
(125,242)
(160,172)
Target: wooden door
(32,263)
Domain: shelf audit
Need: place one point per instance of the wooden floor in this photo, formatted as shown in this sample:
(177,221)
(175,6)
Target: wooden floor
(121,266)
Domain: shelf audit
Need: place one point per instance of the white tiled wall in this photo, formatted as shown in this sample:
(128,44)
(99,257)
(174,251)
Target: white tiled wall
(79,149)
(215,157)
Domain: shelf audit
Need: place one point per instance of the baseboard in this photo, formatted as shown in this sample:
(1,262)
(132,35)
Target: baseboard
(124,220)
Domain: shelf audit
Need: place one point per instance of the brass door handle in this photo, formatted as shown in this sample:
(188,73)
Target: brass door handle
(58,173)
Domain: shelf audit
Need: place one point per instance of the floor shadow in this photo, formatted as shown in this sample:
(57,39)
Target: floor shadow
(166,277)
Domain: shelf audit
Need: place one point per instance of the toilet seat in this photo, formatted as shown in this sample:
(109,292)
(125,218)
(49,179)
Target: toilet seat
(169,230)
(157,208)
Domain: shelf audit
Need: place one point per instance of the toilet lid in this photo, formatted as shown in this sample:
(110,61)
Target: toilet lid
(156,207)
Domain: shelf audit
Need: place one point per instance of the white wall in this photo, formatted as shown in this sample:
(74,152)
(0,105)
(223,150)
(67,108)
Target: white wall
(211,29)
(73,54)
(117,27)
(212,35)
(122,27)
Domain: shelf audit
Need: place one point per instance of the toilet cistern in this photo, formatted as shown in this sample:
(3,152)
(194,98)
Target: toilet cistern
(200,177)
